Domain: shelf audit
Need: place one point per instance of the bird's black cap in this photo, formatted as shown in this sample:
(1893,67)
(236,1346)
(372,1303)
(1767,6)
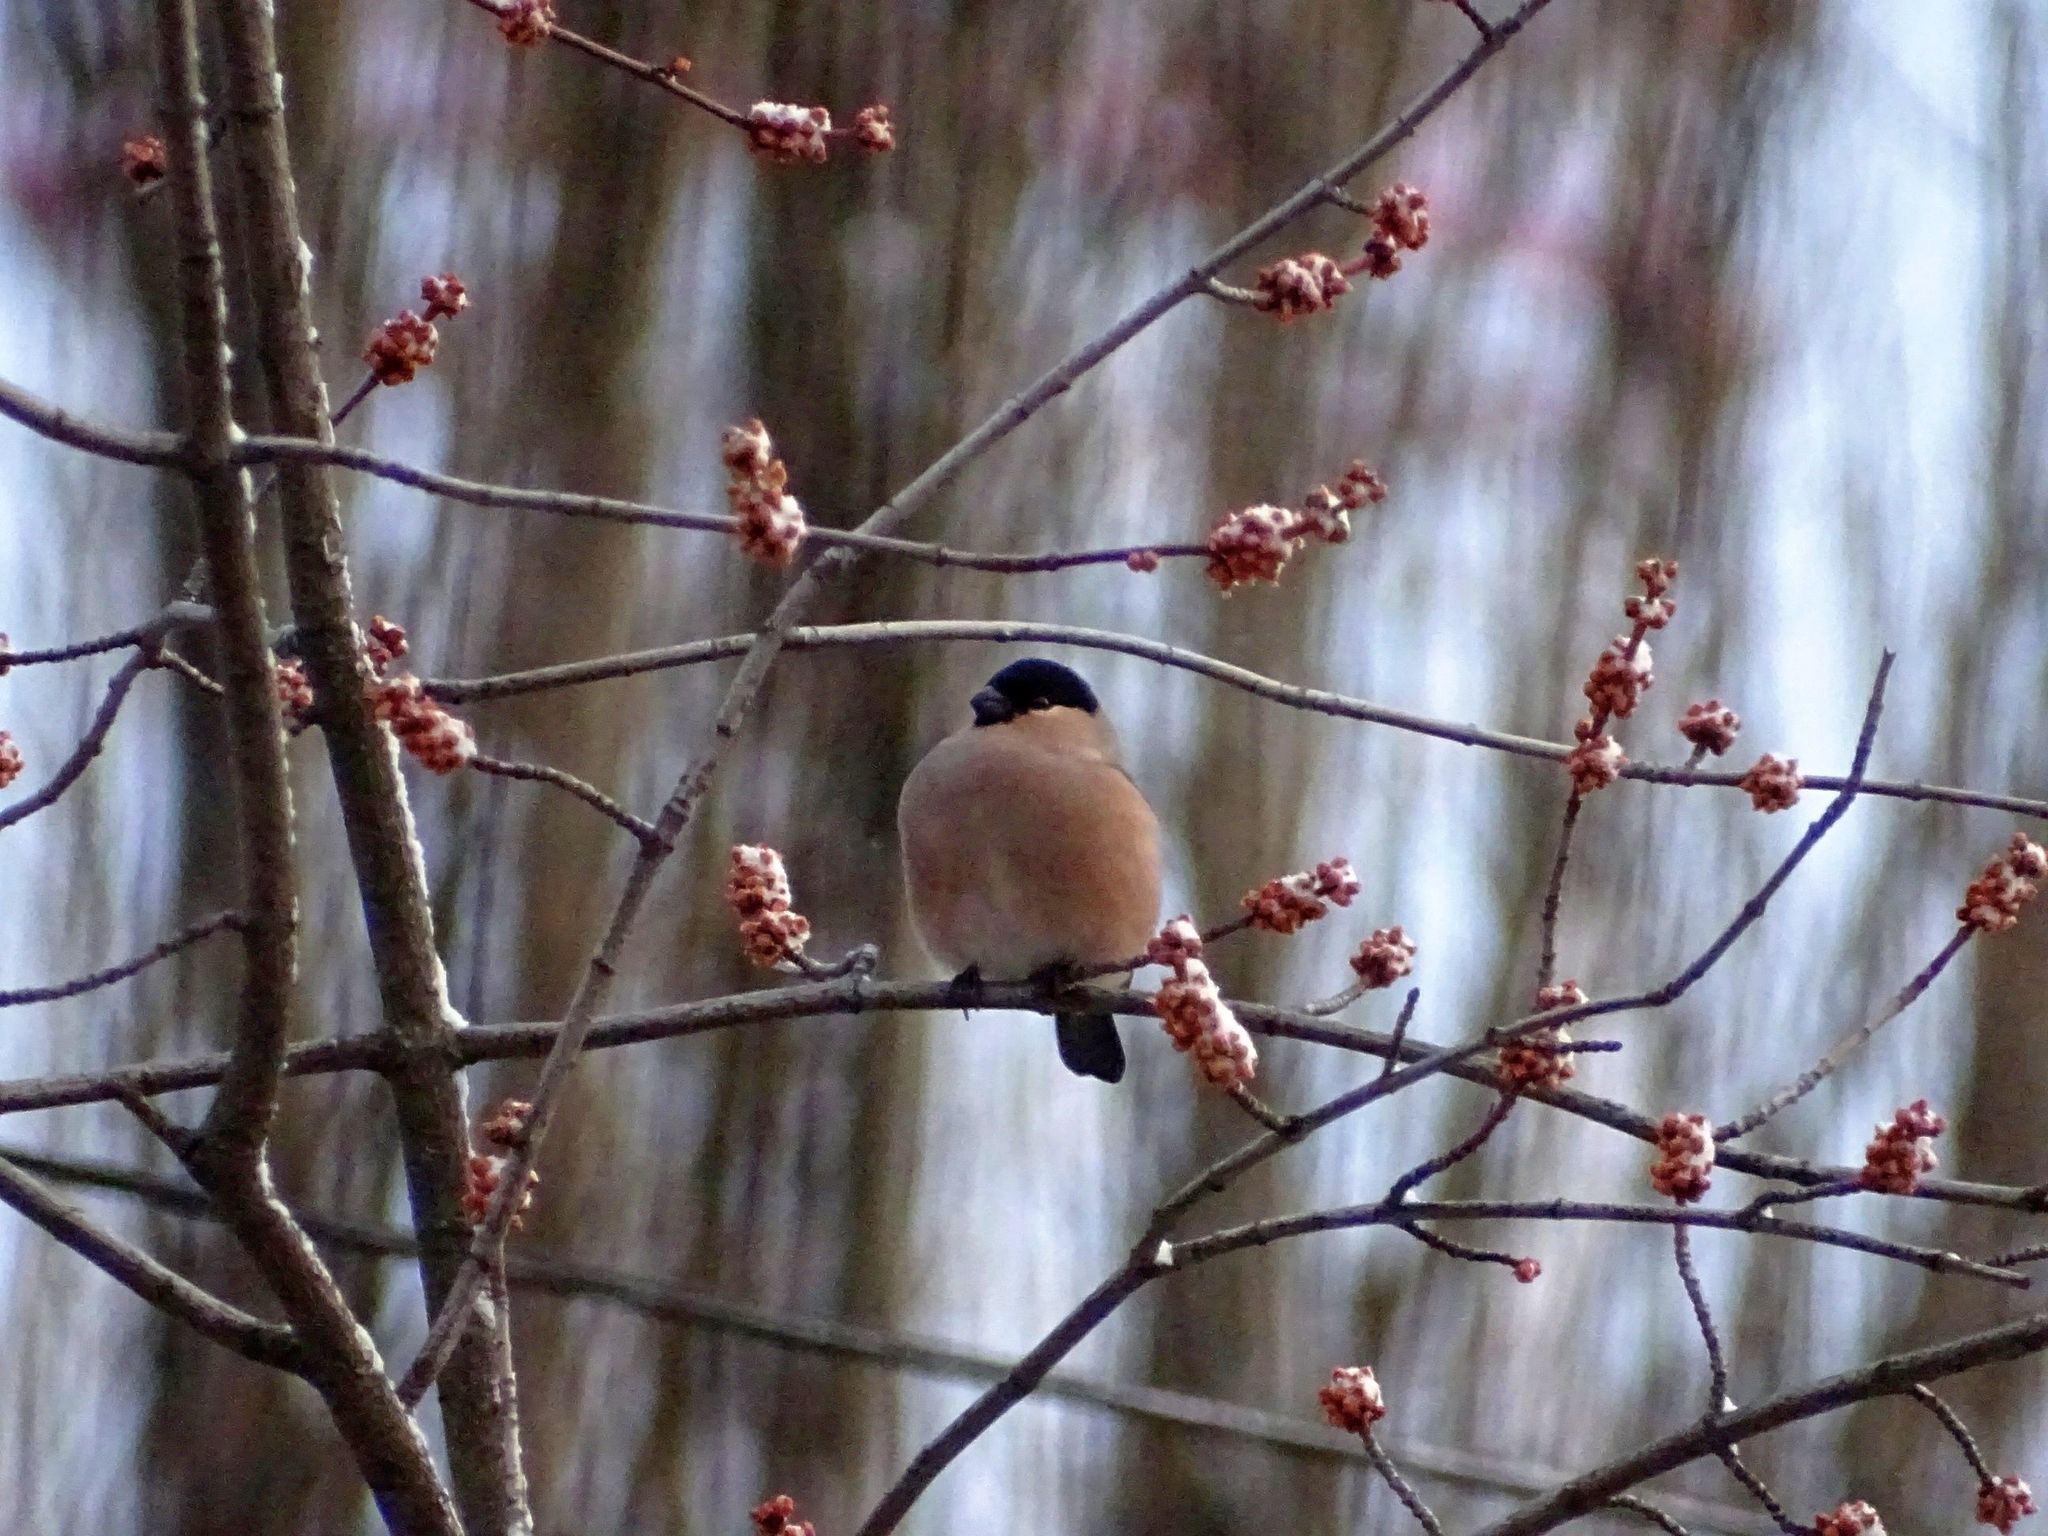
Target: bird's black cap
(1034,683)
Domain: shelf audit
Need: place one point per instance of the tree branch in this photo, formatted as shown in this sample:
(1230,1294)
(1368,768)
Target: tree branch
(590,795)
(146,635)
(88,748)
(1018,632)
(270,1344)
(941,1359)
(1849,1044)
(855,996)
(229,1160)
(203,929)
(1394,1213)
(383,845)
(1883,1378)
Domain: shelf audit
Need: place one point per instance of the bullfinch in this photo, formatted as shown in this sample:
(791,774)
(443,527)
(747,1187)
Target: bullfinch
(1028,850)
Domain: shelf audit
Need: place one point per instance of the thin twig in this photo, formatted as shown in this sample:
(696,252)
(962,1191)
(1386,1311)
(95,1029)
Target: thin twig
(1751,911)
(1553,890)
(1399,1036)
(1019,632)
(162,449)
(654,74)
(175,615)
(1447,1057)
(203,929)
(2033,1254)
(856,996)
(597,799)
(153,450)
(1881,1378)
(1731,1457)
(933,1459)
(1384,1465)
(1718,1400)
(1387,1213)
(1485,27)
(1717,1360)
(1423,1172)
(1452,1248)
(1958,1431)
(270,1344)
(171,661)
(1847,1046)
(88,748)
(613,509)
(1649,1512)
(1244,1099)
(1771,1199)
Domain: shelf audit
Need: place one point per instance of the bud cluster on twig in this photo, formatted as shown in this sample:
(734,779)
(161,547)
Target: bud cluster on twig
(1993,901)
(1308,284)
(1684,1166)
(1191,1009)
(1286,903)
(777,1517)
(407,342)
(1255,543)
(1535,1060)
(757,888)
(771,522)
(1902,1150)
(503,1131)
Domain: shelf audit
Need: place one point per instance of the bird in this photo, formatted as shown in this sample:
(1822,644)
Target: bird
(1027,849)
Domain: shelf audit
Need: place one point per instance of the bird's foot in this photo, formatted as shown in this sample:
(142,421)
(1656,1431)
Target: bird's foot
(969,979)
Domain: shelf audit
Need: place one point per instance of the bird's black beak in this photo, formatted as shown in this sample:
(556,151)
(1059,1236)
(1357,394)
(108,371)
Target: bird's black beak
(991,708)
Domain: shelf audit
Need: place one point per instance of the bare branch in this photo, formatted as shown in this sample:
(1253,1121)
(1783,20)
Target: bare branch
(1023,1379)
(371,793)
(1400,1033)
(939,1358)
(1958,1431)
(203,929)
(597,799)
(1451,1248)
(270,1344)
(389,1450)
(1421,1174)
(856,995)
(239,1119)
(1883,1378)
(1553,890)
(88,748)
(662,76)
(146,635)
(155,450)
(1849,1044)
(1649,1512)
(1018,632)
(1384,1465)
(1702,1314)
(1394,1213)
(1479,22)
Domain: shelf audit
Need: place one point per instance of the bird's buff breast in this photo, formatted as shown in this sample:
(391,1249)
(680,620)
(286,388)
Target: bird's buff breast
(1017,860)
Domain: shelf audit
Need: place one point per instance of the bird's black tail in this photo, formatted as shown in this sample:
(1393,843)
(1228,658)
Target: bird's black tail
(1089,1045)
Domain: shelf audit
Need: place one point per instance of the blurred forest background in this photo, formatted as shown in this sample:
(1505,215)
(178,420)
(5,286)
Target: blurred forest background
(1754,285)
